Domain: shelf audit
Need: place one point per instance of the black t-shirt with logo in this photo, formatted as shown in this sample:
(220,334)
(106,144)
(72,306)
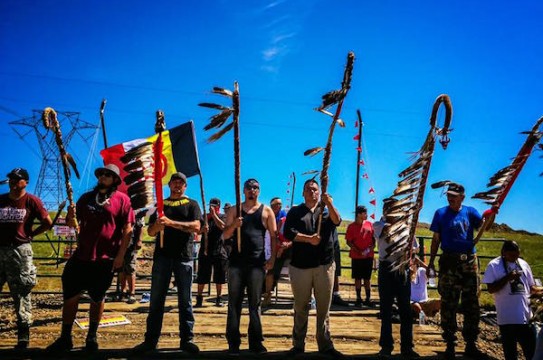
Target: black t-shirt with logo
(177,244)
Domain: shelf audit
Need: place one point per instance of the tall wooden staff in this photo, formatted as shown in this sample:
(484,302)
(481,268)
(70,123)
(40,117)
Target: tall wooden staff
(103,122)
(217,121)
(160,126)
(501,182)
(293,189)
(330,99)
(358,155)
(50,122)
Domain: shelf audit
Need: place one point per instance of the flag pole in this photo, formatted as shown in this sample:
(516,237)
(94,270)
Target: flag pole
(160,126)
(358,156)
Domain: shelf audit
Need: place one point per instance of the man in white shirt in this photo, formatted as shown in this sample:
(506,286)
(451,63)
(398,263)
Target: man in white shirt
(510,280)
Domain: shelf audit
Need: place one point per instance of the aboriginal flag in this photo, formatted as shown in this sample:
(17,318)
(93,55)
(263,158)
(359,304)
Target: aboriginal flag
(135,160)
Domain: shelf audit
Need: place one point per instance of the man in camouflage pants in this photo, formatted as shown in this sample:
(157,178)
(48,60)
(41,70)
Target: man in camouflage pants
(458,285)
(18,210)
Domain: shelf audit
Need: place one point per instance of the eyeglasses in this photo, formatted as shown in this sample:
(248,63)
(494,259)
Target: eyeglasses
(277,204)
(105,173)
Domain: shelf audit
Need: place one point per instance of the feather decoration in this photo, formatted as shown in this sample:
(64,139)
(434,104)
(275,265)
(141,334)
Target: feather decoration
(313,151)
(504,179)
(402,209)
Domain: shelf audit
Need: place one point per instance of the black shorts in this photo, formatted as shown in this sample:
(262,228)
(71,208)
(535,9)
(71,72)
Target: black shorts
(206,264)
(337,260)
(362,268)
(93,276)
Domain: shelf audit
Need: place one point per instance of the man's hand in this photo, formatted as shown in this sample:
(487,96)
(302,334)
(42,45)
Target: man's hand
(237,222)
(314,239)
(326,199)
(70,217)
(205,229)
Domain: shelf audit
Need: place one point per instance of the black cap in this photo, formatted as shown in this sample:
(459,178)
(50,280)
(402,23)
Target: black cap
(178,176)
(455,189)
(361,209)
(18,173)
(510,245)
(227,205)
(215,201)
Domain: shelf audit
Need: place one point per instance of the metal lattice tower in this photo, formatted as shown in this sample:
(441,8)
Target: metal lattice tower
(50,183)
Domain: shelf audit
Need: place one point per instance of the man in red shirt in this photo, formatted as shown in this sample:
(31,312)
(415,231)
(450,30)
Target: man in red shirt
(105,229)
(18,210)
(360,239)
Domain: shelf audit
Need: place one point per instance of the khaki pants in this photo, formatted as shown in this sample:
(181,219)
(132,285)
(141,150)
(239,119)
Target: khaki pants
(321,280)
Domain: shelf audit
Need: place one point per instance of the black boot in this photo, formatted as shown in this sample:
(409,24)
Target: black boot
(199,301)
(23,337)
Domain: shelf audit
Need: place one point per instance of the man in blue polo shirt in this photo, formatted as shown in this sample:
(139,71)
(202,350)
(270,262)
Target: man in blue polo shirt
(453,228)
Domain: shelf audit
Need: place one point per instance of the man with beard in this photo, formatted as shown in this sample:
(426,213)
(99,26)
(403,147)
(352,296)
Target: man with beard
(105,228)
(248,267)
(180,222)
(18,210)
(312,267)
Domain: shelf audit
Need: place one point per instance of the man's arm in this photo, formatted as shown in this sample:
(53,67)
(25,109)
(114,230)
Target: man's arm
(332,211)
(232,223)
(45,225)
(186,226)
(127,236)
(436,240)
(217,220)
(271,226)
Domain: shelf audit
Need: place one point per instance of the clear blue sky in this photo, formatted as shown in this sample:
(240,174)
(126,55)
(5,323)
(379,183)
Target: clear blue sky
(143,56)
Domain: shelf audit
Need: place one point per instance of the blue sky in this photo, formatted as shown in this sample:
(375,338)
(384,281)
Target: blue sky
(143,56)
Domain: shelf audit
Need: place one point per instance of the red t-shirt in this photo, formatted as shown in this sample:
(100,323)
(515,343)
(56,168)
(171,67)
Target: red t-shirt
(101,227)
(361,238)
(17,218)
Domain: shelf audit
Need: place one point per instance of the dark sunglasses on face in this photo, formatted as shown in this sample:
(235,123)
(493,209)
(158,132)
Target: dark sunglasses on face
(105,173)
(252,187)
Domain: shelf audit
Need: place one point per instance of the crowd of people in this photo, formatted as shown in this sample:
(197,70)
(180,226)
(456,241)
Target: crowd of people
(234,250)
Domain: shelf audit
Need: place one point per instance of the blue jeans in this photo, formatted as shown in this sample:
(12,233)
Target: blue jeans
(395,284)
(240,278)
(162,272)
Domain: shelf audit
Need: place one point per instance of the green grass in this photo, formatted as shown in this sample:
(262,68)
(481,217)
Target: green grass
(530,250)
(530,245)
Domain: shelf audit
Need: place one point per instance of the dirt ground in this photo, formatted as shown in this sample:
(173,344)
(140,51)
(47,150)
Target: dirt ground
(355,331)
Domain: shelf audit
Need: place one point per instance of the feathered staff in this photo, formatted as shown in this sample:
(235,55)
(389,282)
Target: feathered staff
(402,209)
(502,181)
(329,99)
(50,122)
(160,126)
(217,121)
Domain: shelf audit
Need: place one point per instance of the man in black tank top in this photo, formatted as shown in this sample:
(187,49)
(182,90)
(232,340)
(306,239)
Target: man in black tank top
(247,268)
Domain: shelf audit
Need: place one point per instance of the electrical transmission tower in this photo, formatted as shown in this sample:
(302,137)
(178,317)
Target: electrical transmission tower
(50,183)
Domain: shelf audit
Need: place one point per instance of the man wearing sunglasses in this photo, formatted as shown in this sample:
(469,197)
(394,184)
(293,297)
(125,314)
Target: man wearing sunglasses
(248,265)
(105,218)
(453,228)
(19,209)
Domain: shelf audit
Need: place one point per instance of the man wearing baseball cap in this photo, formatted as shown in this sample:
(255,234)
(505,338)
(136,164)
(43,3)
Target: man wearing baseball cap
(181,220)
(453,228)
(105,218)
(212,255)
(19,209)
